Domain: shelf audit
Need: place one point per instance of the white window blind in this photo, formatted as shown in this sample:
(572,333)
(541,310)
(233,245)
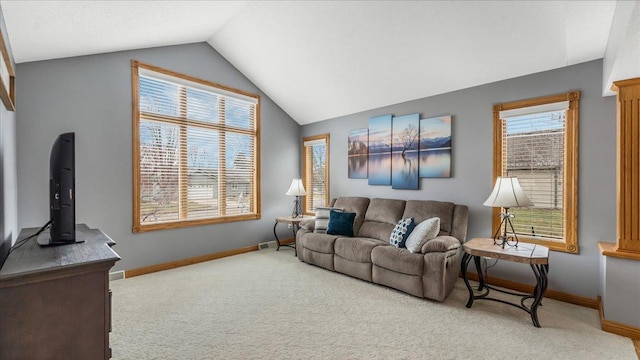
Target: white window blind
(315,142)
(533,150)
(537,109)
(197,150)
(315,176)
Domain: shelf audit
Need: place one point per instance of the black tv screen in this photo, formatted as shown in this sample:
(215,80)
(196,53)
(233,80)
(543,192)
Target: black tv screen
(62,202)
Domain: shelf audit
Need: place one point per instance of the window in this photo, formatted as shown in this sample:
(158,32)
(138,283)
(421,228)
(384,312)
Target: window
(537,141)
(196,156)
(315,157)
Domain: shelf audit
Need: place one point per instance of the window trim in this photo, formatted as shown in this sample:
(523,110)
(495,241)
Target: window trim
(135,95)
(570,183)
(324,137)
(7,84)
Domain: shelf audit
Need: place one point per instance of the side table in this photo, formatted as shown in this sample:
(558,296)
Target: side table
(535,255)
(295,223)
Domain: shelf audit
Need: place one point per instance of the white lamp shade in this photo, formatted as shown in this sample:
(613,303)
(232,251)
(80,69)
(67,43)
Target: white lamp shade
(507,193)
(296,188)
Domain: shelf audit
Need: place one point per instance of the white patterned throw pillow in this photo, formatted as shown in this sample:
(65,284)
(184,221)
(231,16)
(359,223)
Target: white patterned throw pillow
(401,231)
(322,219)
(422,233)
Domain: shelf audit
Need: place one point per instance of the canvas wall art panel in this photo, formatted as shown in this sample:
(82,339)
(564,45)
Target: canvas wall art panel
(435,147)
(380,150)
(404,158)
(358,153)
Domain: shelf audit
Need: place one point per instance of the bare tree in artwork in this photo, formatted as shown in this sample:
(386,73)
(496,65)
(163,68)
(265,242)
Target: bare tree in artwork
(409,137)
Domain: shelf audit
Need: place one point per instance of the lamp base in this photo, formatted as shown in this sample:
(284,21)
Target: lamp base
(297,209)
(503,239)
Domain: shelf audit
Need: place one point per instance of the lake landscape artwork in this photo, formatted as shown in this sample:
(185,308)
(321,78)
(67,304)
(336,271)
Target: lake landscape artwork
(380,150)
(358,153)
(400,150)
(404,152)
(435,147)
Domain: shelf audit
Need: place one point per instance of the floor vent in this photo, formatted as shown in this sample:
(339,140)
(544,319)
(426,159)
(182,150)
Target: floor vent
(117,275)
(266,245)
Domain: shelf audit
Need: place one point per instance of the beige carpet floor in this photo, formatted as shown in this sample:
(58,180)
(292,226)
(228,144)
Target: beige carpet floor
(269,305)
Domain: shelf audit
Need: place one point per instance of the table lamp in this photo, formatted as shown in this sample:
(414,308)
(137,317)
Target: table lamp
(507,193)
(296,189)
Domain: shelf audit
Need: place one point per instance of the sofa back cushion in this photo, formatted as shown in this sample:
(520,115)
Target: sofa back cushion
(422,210)
(381,217)
(376,230)
(354,204)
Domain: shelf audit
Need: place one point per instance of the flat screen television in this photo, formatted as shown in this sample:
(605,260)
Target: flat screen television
(62,189)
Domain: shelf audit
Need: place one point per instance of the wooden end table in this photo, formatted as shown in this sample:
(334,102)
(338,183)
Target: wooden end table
(535,255)
(295,223)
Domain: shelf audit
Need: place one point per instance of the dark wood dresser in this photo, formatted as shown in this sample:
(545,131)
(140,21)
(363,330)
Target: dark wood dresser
(55,301)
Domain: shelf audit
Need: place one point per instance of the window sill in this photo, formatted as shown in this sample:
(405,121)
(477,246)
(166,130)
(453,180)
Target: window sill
(611,249)
(189,223)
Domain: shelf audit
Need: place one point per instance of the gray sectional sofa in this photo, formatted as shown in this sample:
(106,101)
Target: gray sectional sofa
(430,273)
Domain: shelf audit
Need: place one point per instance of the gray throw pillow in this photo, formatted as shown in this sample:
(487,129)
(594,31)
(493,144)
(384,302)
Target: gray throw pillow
(422,233)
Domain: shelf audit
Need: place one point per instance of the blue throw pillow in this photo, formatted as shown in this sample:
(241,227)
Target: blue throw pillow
(401,232)
(341,223)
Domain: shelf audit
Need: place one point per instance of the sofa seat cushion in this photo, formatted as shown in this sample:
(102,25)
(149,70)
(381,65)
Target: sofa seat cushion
(357,249)
(322,243)
(398,260)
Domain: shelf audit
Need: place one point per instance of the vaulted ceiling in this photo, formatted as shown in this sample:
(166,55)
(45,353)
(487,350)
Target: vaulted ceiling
(323,59)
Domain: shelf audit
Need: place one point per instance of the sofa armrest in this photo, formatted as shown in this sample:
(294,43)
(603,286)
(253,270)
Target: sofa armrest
(440,244)
(308,224)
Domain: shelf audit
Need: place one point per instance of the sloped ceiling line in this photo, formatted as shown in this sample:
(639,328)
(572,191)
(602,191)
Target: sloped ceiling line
(323,59)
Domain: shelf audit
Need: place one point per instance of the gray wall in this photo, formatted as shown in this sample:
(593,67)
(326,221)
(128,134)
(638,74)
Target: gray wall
(620,290)
(9,195)
(471,180)
(91,95)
